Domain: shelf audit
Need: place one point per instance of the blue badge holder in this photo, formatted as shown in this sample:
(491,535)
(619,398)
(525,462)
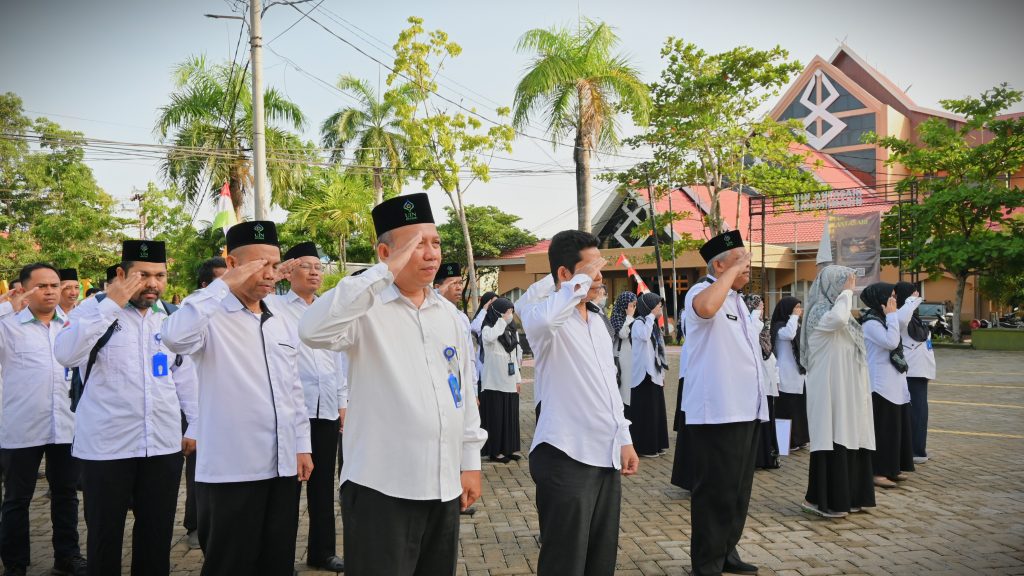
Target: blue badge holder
(159,365)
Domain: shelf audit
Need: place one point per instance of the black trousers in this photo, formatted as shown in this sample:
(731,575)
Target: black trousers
(151,485)
(320,490)
(578,507)
(21,466)
(191,520)
(249,527)
(388,536)
(893,445)
(919,414)
(723,475)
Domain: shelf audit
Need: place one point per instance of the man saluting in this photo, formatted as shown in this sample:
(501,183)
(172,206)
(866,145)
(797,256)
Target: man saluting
(254,442)
(412,431)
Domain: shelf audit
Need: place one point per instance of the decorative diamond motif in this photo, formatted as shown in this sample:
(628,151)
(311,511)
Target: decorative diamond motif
(820,110)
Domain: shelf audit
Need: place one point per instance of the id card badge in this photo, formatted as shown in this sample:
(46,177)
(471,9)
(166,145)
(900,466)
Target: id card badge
(67,374)
(929,342)
(159,364)
(511,368)
(453,385)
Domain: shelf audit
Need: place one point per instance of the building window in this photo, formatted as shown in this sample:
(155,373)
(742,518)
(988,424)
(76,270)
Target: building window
(856,128)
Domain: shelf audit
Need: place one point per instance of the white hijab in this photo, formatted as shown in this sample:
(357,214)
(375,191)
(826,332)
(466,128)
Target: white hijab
(826,288)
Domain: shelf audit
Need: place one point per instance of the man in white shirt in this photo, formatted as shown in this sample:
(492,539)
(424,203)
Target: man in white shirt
(128,423)
(582,439)
(412,431)
(724,400)
(322,381)
(37,420)
(253,427)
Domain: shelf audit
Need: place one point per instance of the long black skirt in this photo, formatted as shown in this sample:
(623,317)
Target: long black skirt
(841,479)
(499,415)
(767,456)
(682,464)
(793,407)
(894,450)
(649,427)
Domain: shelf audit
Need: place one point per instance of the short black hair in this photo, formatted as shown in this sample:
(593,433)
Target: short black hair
(26,271)
(206,270)
(565,249)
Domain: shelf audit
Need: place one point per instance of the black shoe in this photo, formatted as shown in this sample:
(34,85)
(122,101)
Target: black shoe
(14,571)
(331,564)
(468,511)
(70,566)
(515,457)
(739,567)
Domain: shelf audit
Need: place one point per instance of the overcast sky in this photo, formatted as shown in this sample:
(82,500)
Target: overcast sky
(103,66)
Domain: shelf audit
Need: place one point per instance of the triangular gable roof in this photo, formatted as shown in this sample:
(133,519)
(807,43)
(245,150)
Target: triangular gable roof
(818,63)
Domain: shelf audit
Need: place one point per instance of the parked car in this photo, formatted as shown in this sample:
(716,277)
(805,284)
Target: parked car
(932,310)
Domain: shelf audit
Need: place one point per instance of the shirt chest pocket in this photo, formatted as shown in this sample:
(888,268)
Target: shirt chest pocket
(30,350)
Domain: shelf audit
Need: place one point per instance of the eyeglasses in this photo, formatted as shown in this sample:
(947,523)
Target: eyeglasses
(311,267)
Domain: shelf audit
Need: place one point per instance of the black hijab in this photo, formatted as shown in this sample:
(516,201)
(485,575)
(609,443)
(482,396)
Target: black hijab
(916,329)
(780,317)
(645,304)
(509,340)
(875,297)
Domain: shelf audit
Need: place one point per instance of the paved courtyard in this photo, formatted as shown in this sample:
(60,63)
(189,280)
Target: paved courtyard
(960,513)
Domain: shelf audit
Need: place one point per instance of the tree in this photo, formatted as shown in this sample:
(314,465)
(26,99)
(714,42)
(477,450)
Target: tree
(579,85)
(372,131)
(964,224)
(209,122)
(443,145)
(703,128)
(337,204)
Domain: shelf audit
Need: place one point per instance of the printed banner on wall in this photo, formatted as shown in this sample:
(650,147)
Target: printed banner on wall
(857,241)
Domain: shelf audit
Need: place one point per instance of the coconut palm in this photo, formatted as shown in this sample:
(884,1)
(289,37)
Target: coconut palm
(335,203)
(371,131)
(578,85)
(209,122)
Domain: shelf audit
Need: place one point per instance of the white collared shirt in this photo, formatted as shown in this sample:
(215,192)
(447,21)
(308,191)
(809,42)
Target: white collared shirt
(725,379)
(404,435)
(497,360)
(644,354)
(791,381)
(36,404)
(919,355)
(879,341)
(581,412)
(252,412)
(322,378)
(126,411)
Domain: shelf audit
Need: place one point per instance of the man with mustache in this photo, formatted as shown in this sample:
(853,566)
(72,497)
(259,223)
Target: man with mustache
(254,430)
(412,434)
(128,422)
(37,421)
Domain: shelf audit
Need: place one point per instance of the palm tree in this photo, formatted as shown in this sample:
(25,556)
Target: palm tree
(579,85)
(336,203)
(372,131)
(209,119)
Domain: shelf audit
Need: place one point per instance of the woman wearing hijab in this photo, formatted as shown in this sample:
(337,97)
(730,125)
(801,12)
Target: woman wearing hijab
(838,399)
(890,397)
(767,457)
(499,399)
(917,348)
(622,343)
(649,427)
(475,327)
(785,338)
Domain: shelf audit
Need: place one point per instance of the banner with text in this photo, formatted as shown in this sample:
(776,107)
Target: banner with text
(857,244)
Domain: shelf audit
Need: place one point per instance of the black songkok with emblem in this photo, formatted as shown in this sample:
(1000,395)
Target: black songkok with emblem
(67,274)
(447,270)
(143,251)
(252,232)
(722,243)
(301,249)
(402,211)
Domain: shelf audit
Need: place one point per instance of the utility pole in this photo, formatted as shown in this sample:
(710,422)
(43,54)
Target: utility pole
(654,231)
(139,196)
(672,235)
(259,149)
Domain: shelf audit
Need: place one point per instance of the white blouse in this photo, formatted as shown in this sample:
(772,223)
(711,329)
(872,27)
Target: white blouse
(919,355)
(645,356)
(791,381)
(624,352)
(496,375)
(879,340)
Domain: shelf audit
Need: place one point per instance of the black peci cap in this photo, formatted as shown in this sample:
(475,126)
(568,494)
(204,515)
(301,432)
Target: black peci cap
(252,232)
(143,251)
(300,250)
(402,211)
(722,243)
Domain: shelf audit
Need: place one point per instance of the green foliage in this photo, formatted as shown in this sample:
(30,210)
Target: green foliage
(331,208)
(494,233)
(963,224)
(669,248)
(373,132)
(579,85)
(52,208)
(703,127)
(209,122)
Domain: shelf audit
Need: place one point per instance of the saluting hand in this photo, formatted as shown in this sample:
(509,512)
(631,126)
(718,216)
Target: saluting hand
(284,270)
(591,267)
(236,277)
(305,465)
(631,308)
(890,305)
(123,290)
(399,258)
(851,282)
(20,297)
